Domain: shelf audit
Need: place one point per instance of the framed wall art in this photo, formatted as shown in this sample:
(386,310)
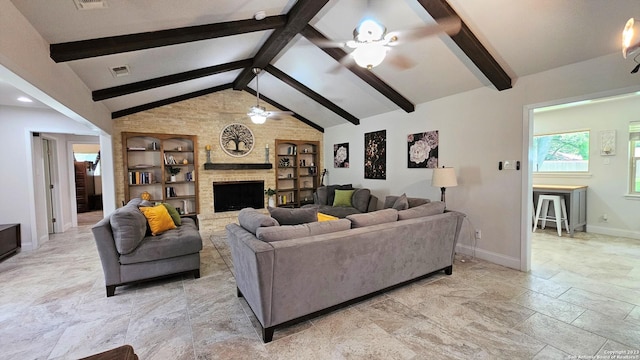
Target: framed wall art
(422,150)
(341,155)
(375,155)
(236,140)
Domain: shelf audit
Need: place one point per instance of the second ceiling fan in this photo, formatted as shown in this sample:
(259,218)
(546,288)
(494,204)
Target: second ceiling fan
(259,114)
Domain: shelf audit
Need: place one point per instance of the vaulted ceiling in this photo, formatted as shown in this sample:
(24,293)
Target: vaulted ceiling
(175,50)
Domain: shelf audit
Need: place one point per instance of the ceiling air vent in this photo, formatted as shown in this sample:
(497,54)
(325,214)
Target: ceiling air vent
(118,71)
(90,4)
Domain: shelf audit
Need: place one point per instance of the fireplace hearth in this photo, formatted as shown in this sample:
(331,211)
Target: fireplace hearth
(237,195)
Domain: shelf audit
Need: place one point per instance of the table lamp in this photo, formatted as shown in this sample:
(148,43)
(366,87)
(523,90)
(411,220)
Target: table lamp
(443,178)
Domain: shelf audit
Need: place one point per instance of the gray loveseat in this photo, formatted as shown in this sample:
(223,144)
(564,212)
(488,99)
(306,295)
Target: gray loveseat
(129,255)
(290,273)
(362,201)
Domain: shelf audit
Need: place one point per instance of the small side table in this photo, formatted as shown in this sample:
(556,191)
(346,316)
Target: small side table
(9,240)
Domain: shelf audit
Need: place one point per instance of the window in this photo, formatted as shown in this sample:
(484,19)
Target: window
(562,152)
(634,146)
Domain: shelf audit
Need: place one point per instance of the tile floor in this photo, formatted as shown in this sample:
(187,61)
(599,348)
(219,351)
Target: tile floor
(582,298)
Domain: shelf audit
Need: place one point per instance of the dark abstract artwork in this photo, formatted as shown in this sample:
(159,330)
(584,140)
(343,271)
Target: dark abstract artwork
(341,155)
(375,155)
(423,150)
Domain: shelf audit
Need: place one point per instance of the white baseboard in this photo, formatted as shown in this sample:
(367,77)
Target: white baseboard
(613,231)
(495,258)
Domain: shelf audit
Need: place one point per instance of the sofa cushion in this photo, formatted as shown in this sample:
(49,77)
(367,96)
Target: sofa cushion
(433,208)
(158,218)
(287,216)
(401,203)
(251,219)
(180,241)
(175,216)
(342,197)
(288,232)
(373,218)
(389,200)
(360,199)
(129,227)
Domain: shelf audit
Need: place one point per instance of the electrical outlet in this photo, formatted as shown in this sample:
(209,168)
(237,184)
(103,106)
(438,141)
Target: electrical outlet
(478,234)
(605,217)
(509,164)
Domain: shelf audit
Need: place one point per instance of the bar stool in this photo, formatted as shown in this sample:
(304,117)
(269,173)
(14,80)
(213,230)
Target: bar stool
(559,209)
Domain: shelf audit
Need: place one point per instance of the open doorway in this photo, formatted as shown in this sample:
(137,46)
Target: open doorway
(605,170)
(88,183)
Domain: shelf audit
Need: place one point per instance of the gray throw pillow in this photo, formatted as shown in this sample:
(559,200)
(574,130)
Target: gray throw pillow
(129,227)
(360,199)
(432,208)
(389,200)
(401,203)
(373,218)
(251,219)
(287,216)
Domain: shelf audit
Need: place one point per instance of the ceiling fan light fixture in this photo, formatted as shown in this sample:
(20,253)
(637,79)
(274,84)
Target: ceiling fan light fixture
(369,30)
(630,43)
(369,55)
(258,119)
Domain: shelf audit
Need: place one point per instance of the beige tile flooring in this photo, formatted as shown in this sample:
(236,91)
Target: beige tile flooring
(581,298)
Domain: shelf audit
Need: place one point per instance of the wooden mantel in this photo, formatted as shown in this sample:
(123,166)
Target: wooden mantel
(237,166)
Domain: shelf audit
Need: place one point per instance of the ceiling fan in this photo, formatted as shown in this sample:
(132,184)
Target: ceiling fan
(259,114)
(371,42)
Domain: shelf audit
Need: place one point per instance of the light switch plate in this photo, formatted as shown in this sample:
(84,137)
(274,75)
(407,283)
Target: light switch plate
(509,165)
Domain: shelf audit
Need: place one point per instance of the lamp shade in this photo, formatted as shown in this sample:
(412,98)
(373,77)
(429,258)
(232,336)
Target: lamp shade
(444,177)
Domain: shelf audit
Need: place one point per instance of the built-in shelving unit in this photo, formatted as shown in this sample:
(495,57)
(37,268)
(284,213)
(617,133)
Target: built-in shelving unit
(148,158)
(296,172)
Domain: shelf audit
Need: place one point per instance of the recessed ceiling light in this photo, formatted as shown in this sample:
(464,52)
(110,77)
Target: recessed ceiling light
(118,71)
(25,99)
(90,4)
(260,15)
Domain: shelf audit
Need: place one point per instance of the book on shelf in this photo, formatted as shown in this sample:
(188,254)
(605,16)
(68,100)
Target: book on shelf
(140,177)
(171,192)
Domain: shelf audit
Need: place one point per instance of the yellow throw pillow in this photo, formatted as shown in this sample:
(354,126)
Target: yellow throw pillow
(158,218)
(325,217)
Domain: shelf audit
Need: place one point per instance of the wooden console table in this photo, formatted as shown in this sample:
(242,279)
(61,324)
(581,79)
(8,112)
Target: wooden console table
(575,198)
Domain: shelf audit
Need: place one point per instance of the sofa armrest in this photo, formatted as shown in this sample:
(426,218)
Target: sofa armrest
(373,203)
(109,256)
(253,261)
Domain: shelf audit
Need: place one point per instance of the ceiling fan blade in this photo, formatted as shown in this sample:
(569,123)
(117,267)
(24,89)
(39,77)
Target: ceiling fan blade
(278,115)
(400,61)
(345,61)
(326,43)
(450,25)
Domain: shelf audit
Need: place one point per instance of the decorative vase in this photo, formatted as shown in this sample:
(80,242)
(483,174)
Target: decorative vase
(145,196)
(173,178)
(272,202)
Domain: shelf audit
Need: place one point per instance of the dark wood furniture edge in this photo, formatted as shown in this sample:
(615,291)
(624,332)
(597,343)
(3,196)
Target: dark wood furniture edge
(237,166)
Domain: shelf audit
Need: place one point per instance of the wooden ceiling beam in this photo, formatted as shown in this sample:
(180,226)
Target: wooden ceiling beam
(83,49)
(311,94)
(370,78)
(297,18)
(283,108)
(171,100)
(470,45)
(131,88)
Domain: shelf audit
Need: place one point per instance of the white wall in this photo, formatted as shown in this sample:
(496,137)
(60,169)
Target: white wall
(23,187)
(477,129)
(608,175)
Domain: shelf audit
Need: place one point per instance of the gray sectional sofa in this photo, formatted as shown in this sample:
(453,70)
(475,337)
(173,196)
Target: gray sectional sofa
(362,201)
(290,273)
(129,254)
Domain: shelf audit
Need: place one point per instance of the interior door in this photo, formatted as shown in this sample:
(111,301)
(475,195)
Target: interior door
(48,148)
